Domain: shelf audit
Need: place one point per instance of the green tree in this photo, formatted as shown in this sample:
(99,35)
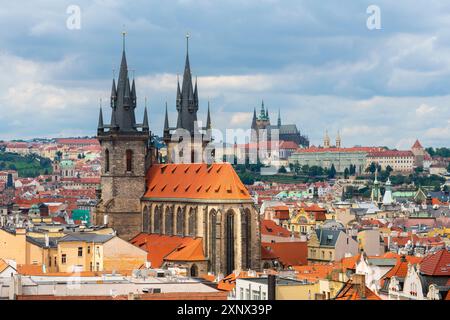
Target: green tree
(372,168)
(282,170)
(346,173)
(389,170)
(332,172)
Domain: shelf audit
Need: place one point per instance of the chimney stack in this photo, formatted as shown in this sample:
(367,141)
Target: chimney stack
(272,283)
(359,282)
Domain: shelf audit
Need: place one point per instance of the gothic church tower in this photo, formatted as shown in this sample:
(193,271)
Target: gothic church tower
(126,156)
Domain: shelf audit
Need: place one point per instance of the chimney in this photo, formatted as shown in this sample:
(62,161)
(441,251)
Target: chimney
(271,283)
(359,282)
(105,220)
(47,240)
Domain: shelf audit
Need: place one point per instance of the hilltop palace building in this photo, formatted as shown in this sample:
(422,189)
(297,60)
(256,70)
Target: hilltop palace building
(191,199)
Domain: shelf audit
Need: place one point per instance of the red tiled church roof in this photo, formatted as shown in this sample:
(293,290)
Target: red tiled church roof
(218,181)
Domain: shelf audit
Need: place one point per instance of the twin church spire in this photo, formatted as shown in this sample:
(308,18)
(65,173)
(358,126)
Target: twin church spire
(187,103)
(123,103)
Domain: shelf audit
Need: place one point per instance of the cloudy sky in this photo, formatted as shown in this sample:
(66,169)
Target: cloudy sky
(316,61)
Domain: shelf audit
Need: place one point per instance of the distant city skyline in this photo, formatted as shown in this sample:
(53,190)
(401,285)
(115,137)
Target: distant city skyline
(316,62)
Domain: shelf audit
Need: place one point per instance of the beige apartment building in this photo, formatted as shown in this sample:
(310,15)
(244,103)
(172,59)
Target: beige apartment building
(74,252)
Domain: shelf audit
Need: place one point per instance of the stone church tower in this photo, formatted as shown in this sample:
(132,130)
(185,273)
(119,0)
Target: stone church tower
(187,142)
(127,155)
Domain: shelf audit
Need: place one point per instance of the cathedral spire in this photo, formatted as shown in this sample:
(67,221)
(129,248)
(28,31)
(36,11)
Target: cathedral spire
(100,126)
(145,126)
(123,98)
(254,119)
(208,119)
(166,123)
(133,94)
(195,91)
(187,98)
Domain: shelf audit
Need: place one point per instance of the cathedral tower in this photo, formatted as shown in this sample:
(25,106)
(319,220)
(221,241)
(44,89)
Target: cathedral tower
(126,156)
(326,140)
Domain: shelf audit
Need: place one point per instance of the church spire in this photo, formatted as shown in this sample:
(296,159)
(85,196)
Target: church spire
(195,91)
(100,126)
(123,98)
(145,126)
(208,119)
(279,118)
(166,124)
(187,98)
(254,119)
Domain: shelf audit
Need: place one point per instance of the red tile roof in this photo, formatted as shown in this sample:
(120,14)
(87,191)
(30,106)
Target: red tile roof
(270,228)
(288,145)
(349,292)
(417,145)
(391,154)
(218,181)
(313,272)
(437,264)
(289,253)
(173,248)
(353,149)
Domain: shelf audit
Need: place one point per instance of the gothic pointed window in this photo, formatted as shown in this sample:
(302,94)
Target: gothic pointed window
(192,220)
(106,160)
(129,154)
(168,222)
(180,222)
(157,220)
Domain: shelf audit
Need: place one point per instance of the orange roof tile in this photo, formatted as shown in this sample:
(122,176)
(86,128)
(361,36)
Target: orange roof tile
(437,264)
(29,269)
(228,283)
(349,292)
(270,228)
(218,181)
(3,265)
(350,262)
(191,251)
(174,248)
(313,272)
(289,253)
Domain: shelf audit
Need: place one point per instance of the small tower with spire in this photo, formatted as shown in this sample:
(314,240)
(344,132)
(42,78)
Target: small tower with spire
(326,140)
(338,140)
(375,195)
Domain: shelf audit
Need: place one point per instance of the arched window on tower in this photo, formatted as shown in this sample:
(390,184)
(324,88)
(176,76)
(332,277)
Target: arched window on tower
(106,160)
(129,160)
